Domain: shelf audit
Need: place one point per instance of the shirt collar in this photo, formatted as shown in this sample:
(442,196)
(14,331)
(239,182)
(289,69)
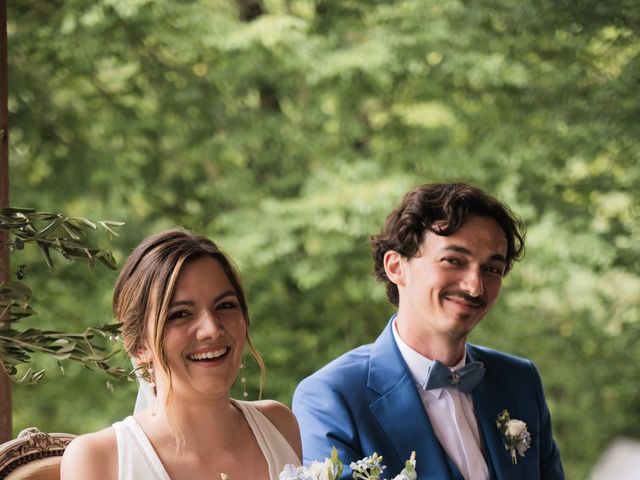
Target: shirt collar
(419,364)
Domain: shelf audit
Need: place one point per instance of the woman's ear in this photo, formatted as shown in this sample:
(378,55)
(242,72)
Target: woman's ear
(144,356)
(394,267)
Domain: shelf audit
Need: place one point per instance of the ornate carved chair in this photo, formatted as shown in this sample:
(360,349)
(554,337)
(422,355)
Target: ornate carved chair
(34,455)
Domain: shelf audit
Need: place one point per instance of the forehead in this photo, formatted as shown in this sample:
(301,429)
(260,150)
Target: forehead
(477,234)
(201,274)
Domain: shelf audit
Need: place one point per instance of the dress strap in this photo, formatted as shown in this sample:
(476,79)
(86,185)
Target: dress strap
(136,454)
(275,448)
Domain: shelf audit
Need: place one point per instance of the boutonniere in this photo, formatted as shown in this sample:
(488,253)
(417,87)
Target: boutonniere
(516,436)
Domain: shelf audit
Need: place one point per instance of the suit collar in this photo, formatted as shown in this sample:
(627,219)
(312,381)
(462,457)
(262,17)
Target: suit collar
(490,397)
(386,365)
(398,399)
(400,412)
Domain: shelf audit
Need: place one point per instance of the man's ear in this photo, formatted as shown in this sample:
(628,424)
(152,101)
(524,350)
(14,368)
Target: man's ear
(394,267)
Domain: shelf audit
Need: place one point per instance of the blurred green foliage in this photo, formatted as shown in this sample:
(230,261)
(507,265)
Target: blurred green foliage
(287,130)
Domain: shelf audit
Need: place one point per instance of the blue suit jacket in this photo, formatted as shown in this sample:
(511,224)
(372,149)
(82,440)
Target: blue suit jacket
(366,401)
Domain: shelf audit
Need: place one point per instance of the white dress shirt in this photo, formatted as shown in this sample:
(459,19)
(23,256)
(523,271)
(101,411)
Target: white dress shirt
(451,414)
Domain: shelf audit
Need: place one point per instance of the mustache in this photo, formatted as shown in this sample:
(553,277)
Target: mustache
(475,301)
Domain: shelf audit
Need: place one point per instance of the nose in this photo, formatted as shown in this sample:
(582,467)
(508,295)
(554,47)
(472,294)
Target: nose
(472,283)
(208,326)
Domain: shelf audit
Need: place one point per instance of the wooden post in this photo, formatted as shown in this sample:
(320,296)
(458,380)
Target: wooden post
(5,383)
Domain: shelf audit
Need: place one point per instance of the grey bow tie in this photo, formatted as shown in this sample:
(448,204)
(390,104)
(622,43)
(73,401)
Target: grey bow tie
(464,379)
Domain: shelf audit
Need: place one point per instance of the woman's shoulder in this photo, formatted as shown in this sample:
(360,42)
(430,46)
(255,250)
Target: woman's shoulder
(93,455)
(283,419)
(277,413)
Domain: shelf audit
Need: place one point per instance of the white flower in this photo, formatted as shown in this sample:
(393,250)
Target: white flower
(515,427)
(369,468)
(330,469)
(409,470)
(289,473)
(322,470)
(516,436)
(315,471)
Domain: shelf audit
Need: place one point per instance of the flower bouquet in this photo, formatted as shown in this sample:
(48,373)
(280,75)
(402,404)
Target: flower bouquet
(369,468)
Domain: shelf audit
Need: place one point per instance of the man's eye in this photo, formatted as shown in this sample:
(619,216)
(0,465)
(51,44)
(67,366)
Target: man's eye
(451,260)
(495,270)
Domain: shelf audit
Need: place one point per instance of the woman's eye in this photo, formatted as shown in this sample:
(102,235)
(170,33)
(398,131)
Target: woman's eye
(227,305)
(178,314)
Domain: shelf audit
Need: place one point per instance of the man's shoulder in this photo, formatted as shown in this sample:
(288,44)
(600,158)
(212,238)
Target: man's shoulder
(500,361)
(496,355)
(350,367)
(352,361)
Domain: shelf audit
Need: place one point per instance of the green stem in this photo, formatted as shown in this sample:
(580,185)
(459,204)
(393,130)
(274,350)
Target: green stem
(36,348)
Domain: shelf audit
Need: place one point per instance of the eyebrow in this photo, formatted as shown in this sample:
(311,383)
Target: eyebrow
(219,297)
(496,257)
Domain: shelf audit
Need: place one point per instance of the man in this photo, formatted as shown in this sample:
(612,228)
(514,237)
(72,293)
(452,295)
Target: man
(442,254)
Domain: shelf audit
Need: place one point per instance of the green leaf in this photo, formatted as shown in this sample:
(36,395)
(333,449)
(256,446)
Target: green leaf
(15,289)
(50,228)
(31,377)
(15,210)
(74,232)
(44,249)
(88,223)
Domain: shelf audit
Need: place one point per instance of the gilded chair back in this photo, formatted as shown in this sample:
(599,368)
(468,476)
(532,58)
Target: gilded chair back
(33,455)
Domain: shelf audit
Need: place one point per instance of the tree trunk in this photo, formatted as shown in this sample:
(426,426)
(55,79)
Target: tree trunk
(5,382)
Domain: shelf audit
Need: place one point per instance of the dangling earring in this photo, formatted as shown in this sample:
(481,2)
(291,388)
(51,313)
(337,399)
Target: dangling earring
(243,381)
(151,379)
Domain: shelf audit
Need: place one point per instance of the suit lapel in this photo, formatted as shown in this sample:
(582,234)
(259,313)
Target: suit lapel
(400,412)
(490,397)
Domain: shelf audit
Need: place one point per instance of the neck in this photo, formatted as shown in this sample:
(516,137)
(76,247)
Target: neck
(206,424)
(431,344)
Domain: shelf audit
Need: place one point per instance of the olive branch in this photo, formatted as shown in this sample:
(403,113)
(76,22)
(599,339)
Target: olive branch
(66,236)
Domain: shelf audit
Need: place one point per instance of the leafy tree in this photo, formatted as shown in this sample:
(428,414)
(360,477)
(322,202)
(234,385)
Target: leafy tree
(288,130)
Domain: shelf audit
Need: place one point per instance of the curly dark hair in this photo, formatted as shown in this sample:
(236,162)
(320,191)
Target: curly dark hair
(441,208)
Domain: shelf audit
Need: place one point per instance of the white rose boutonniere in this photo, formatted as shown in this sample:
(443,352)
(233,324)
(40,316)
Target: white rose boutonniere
(516,436)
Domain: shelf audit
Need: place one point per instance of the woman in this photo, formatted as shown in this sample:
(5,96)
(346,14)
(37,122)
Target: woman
(184,319)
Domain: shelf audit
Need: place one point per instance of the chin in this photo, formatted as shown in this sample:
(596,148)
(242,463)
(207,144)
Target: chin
(461,327)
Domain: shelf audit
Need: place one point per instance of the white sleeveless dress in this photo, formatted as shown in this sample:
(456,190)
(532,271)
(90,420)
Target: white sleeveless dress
(137,460)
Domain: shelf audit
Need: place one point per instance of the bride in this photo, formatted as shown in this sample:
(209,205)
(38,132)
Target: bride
(185,321)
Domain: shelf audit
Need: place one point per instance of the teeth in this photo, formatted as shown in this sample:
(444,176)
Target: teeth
(208,355)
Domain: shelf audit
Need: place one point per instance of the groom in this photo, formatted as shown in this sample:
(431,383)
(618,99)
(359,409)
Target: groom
(442,255)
